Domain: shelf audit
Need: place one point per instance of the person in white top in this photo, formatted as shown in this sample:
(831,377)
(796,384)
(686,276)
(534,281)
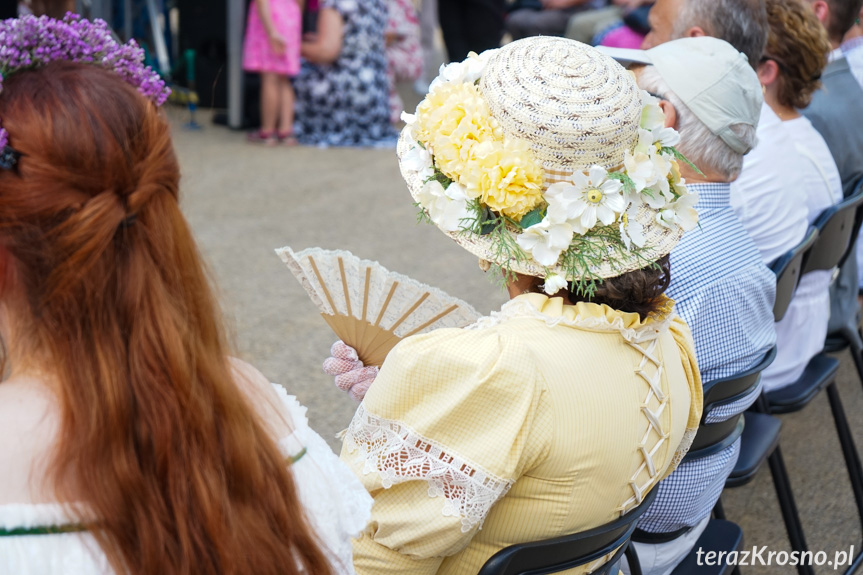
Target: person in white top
(129,441)
(790,178)
(852,48)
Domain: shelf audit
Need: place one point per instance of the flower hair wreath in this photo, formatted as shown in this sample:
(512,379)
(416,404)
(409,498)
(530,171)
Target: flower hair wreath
(479,181)
(29,42)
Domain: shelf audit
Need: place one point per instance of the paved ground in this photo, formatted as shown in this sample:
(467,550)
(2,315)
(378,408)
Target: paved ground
(245,201)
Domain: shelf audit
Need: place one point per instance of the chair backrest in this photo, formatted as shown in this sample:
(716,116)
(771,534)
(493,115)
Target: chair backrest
(788,269)
(838,227)
(714,437)
(563,553)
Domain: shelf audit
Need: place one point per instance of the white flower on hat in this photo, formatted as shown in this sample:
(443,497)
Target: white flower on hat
(665,137)
(419,160)
(447,208)
(546,240)
(554,283)
(680,213)
(653,121)
(652,116)
(648,169)
(631,230)
(590,198)
(467,71)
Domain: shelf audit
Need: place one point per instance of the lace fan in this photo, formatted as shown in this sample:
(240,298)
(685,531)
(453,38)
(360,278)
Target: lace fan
(369,307)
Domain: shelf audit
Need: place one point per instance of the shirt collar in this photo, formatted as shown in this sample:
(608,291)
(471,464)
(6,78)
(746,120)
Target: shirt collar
(835,55)
(852,44)
(711,196)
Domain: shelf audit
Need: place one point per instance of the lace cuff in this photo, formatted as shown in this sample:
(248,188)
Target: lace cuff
(399,454)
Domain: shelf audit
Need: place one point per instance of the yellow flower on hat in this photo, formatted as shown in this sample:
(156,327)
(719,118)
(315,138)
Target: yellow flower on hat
(469,147)
(450,121)
(505,175)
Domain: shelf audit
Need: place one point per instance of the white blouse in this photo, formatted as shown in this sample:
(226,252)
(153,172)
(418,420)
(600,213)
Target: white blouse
(787,180)
(336,503)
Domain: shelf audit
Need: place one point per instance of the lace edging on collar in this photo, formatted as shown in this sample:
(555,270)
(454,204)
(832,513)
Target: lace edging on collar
(524,308)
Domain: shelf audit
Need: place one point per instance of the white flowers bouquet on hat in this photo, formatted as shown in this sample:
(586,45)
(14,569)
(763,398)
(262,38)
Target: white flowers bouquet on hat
(544,158)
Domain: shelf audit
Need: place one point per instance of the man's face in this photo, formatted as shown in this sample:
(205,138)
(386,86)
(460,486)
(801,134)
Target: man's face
(662,17)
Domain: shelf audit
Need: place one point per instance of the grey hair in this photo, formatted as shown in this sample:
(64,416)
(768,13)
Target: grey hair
(741,23)
(701,146)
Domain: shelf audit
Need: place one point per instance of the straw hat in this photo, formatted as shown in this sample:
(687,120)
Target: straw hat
(569,134)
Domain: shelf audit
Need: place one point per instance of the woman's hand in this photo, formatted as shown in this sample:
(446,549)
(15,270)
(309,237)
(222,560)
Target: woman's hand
(278,43)
(326,47)
(351,376)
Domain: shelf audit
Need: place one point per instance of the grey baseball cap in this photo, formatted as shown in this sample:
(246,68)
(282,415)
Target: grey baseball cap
(711,77)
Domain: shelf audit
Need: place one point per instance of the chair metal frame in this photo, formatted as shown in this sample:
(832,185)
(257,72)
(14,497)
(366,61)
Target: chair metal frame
(569,551)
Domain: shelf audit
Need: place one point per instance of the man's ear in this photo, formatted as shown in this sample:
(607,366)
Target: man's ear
(822,11)
(695,32)
(768,72)
(670,113)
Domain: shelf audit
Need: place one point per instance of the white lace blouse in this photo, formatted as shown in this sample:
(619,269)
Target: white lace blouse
(337,505)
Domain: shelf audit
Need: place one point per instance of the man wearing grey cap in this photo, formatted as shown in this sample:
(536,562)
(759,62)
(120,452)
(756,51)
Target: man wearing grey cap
(712,96)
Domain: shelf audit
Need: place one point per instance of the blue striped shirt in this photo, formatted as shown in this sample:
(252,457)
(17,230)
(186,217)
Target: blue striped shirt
(725,293)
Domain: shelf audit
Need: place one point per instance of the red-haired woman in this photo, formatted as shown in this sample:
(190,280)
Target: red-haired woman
(129,441)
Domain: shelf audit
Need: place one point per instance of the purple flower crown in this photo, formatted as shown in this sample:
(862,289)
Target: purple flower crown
(30,42)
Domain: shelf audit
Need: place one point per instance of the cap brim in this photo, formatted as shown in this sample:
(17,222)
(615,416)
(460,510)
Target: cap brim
(626,56)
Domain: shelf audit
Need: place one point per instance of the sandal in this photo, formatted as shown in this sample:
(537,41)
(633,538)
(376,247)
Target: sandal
(287,138)
(262,137)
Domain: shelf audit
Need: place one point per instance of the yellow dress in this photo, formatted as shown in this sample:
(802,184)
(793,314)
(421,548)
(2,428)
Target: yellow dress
(542,420)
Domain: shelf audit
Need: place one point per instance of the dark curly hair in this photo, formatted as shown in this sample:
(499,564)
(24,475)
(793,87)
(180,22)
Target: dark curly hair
(799,45)
(639,291)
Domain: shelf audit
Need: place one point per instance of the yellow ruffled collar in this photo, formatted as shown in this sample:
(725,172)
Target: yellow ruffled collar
(583,315)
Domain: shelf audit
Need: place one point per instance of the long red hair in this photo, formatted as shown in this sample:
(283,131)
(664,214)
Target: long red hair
(156,438)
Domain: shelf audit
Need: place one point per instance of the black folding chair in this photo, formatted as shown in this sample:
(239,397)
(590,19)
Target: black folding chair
(562,553)
(789,268)
(837,227)
(720,535)
(841,224)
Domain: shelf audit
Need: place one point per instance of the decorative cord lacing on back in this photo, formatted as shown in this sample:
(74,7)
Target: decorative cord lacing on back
(652,409)
(399,454)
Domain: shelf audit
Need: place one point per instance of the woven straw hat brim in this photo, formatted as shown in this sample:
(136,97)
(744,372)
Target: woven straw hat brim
(660,240)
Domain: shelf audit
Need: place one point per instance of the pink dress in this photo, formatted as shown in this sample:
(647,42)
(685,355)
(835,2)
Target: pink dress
(258,55)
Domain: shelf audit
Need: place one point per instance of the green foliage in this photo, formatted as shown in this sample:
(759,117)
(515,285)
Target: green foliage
(586,252)
(501,232)
(622,177)
(422,215)
(681,158)
(439,176)
(532,217)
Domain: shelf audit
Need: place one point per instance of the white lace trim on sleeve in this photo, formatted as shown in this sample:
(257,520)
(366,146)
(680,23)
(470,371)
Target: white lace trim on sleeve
(398,454)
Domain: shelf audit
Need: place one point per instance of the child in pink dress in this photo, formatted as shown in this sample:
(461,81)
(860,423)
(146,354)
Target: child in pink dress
(272,47)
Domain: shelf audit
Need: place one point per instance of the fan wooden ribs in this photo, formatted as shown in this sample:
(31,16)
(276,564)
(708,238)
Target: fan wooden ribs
(337,281)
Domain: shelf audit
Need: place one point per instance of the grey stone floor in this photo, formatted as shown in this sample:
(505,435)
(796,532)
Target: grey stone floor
(245,201)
